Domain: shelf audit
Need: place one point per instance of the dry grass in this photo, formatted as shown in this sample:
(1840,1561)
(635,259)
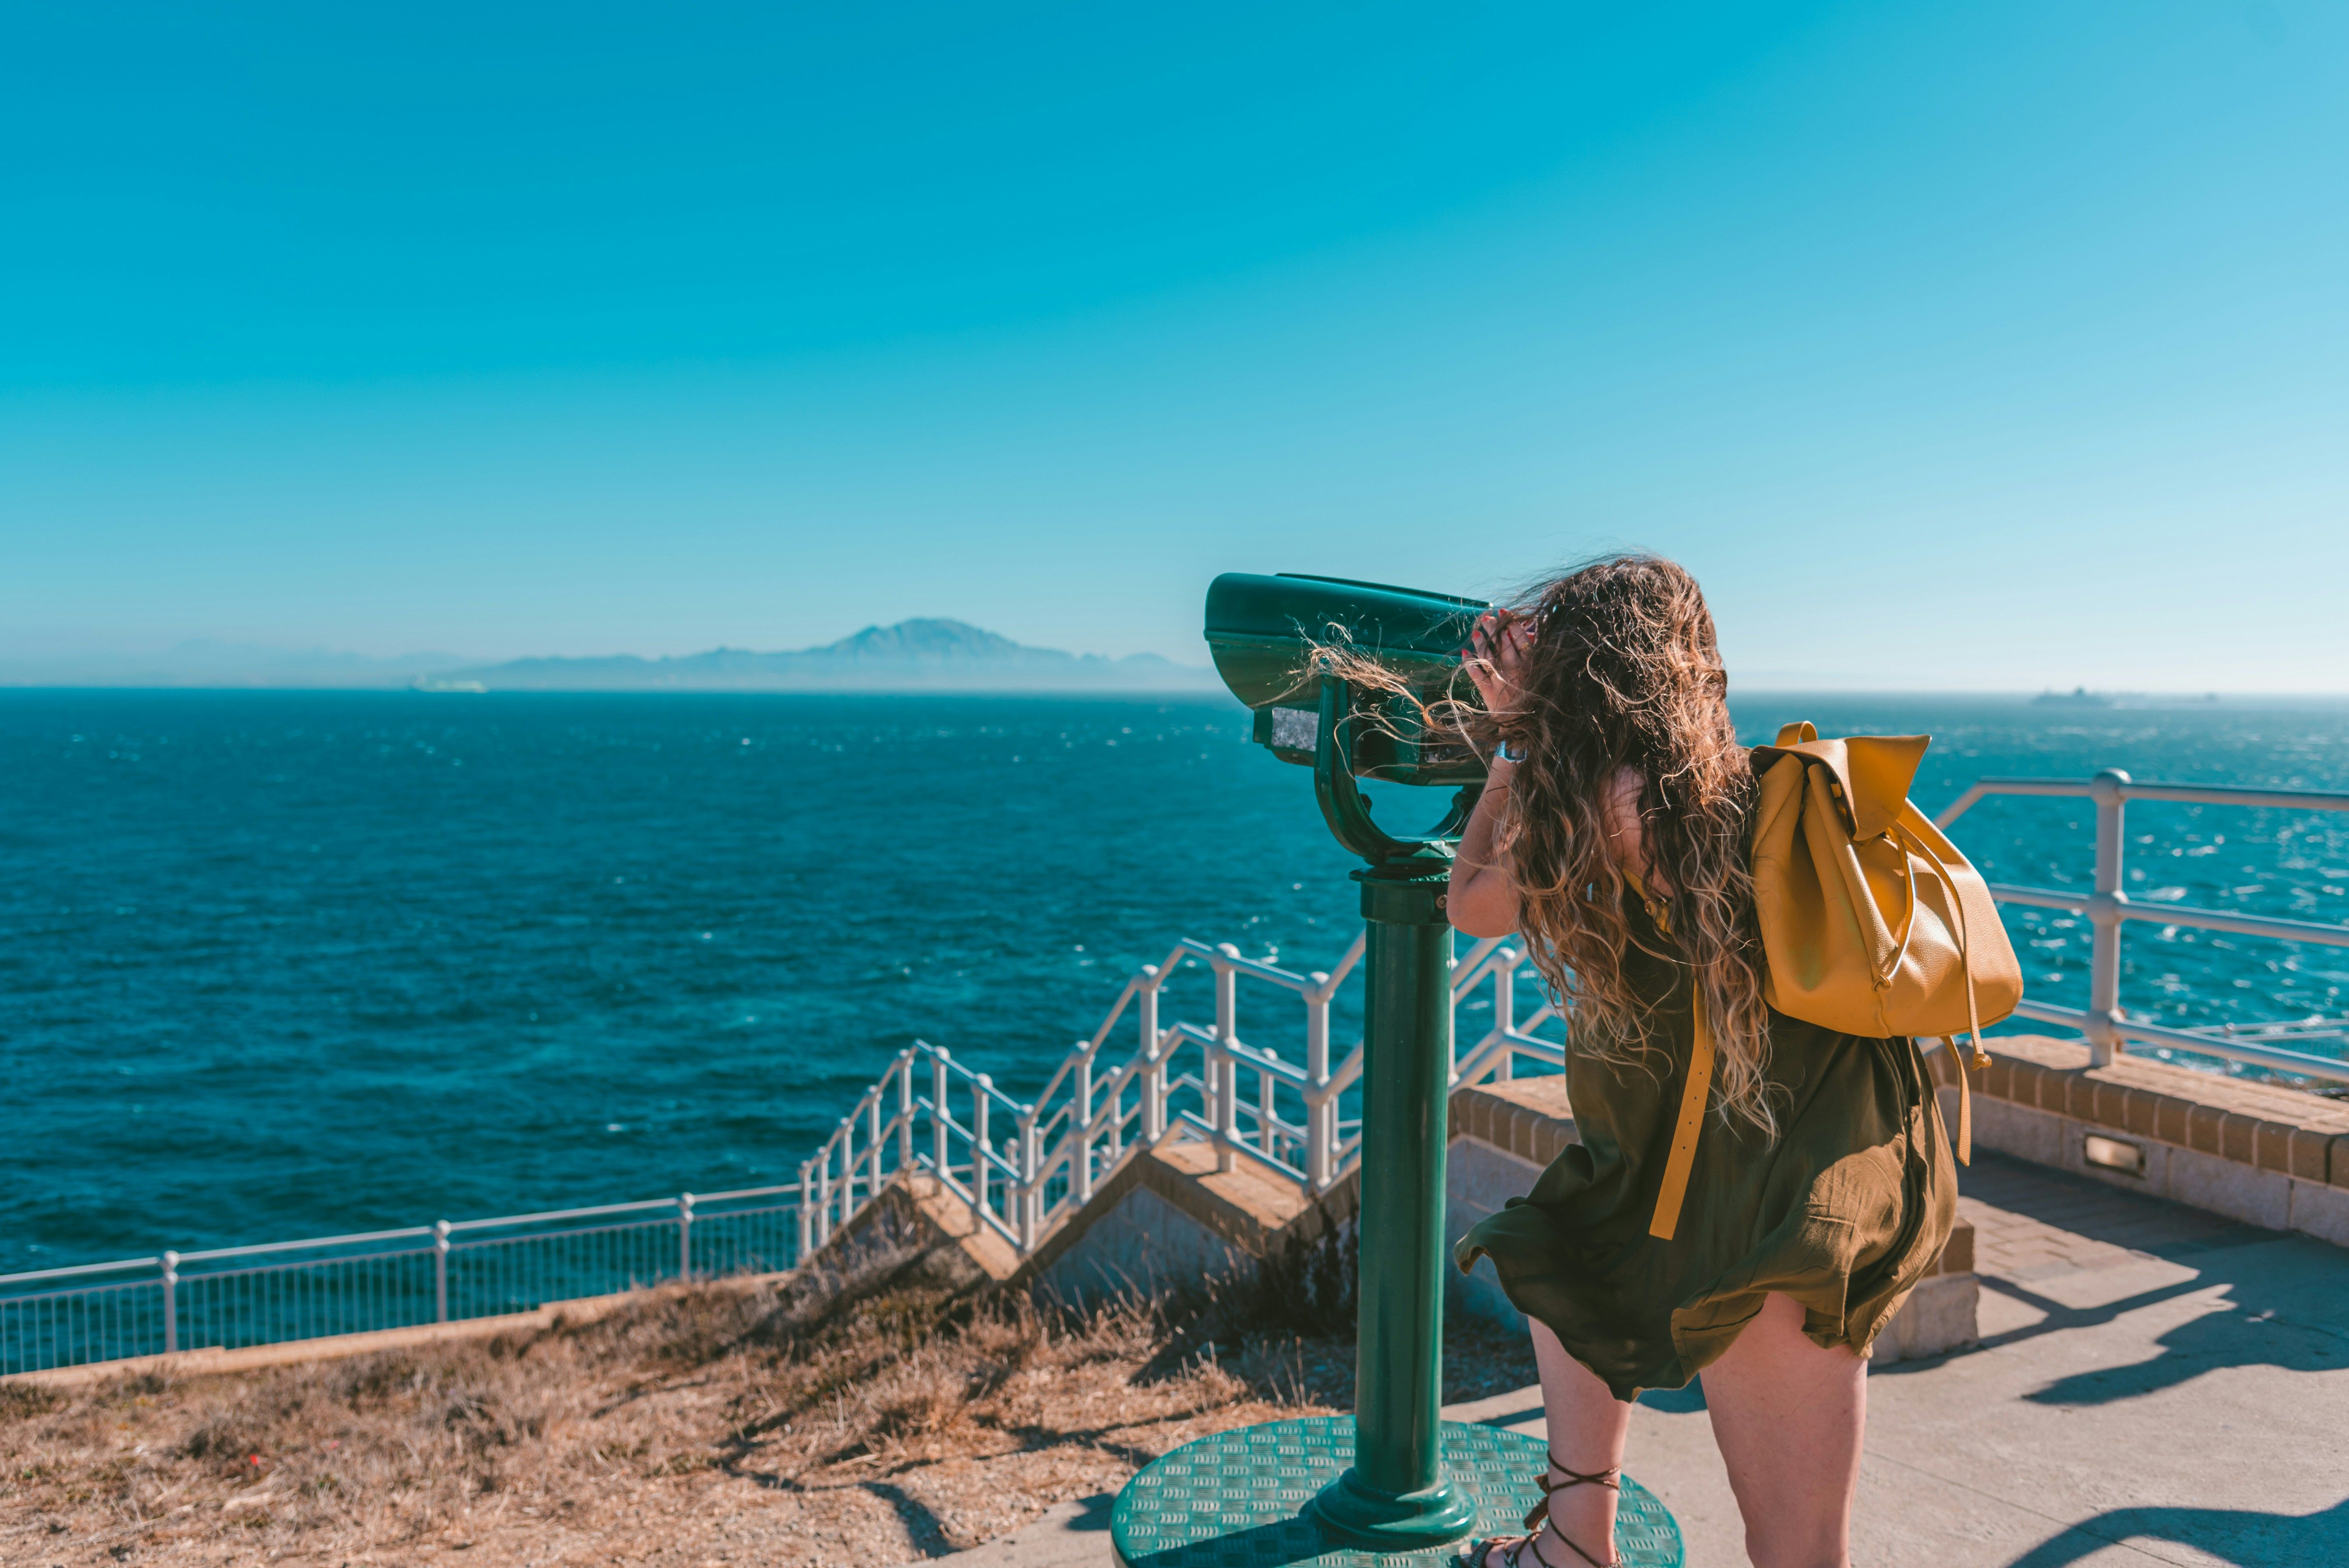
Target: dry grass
(706,1425)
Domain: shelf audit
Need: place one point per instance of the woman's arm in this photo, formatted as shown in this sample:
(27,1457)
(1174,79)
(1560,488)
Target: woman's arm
(1482,897)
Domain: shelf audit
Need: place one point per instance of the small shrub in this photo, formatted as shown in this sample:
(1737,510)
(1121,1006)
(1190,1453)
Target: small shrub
(22,1401)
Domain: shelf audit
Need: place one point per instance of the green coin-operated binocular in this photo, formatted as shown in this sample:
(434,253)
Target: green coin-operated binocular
(1272,638)
(1339,676)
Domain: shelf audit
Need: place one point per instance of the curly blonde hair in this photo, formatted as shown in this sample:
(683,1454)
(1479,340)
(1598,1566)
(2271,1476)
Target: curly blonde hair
(1624,673)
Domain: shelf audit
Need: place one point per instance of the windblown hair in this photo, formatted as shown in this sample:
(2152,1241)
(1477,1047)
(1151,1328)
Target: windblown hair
(1625,672)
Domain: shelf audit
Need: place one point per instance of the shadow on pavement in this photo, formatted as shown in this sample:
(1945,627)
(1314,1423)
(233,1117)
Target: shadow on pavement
(2280,1300)
(2245,1536)
(1096,1511)
(1676,1401)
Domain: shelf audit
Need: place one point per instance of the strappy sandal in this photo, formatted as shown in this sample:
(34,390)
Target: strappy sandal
(1478,1553)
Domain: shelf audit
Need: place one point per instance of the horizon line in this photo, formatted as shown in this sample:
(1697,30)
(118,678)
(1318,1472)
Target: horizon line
(2097,699)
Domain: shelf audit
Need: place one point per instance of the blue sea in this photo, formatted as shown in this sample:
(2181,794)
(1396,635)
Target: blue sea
(276,965)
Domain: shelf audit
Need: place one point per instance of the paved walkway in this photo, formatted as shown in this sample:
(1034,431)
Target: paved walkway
(2032,1223)
(2154,1386)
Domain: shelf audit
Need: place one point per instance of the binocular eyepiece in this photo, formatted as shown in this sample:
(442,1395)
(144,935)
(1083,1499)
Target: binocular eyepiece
(1283,645)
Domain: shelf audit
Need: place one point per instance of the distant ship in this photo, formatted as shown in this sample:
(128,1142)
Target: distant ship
(441,683)
(2078,696)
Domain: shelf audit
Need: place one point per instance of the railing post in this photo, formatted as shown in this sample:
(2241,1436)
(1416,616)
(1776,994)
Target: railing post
(1267,1085)
(1153,1071)
(806,1213)
(824,1187)
(940,1149)
(1320,1105)
(1032,1190)
(1505,1010)
(1081,1180)
(685,1235)
(1223,1111)
(979,1151)
(905,1110)
(846,1137)
(873,1146)
(1117,1120)
(171,1303)
(2105,918)
(440,1271)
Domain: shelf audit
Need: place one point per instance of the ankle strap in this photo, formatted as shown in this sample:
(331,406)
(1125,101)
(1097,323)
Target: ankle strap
(1533,1543)
(1609,1477)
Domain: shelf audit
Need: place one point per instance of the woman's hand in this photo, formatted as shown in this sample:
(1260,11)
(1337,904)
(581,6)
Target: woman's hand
(1482,900)
(1497,658)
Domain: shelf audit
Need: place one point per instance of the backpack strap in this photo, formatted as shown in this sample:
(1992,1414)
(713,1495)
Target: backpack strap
(1674,1191)
(1911,845)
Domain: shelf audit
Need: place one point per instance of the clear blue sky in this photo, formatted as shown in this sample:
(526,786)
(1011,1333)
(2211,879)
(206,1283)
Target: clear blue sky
(1999,344)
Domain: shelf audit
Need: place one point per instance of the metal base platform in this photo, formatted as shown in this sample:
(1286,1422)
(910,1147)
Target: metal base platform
(1236,1500)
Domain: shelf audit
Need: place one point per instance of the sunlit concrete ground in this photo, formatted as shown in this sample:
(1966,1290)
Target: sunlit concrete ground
(2153,1385)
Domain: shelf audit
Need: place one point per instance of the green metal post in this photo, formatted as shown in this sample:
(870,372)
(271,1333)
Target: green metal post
(1396,1496)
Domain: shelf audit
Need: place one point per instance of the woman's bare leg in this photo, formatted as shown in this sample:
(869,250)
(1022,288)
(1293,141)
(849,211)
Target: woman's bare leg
(1788,1416)
(1587,1428)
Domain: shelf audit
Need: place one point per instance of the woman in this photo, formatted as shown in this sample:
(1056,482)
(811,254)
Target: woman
(1612,835)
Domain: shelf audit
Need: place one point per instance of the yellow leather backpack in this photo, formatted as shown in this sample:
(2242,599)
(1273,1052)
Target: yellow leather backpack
(1872,922)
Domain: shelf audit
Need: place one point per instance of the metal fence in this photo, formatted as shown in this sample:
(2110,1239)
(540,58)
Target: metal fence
(230,1298)
(2110,1030)
(1017,1169)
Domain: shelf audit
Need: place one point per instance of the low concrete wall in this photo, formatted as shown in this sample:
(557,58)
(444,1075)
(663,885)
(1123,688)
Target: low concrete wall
(1480,1179)
(1142,1246)
(2257,1152)
(1169,1218)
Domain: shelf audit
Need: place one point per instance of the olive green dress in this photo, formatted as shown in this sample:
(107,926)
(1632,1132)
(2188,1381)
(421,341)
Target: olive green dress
(1845,1212)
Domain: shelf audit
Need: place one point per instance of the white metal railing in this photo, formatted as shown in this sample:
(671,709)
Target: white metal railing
(2108,1028)
(444,1273)
(1018,1169)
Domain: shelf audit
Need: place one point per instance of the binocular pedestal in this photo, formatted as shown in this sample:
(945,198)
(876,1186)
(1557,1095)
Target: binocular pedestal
(1395,1496)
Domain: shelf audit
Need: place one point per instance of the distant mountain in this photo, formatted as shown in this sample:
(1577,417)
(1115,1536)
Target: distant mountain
(913,655)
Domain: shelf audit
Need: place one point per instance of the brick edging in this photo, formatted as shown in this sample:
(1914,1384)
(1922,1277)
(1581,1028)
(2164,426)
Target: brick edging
(2263,1126)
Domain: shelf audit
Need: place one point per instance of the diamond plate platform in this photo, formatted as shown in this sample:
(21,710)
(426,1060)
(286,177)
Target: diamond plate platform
(1236,1501)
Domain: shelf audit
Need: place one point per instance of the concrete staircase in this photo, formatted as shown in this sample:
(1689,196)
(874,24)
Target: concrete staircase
(1167,1218)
